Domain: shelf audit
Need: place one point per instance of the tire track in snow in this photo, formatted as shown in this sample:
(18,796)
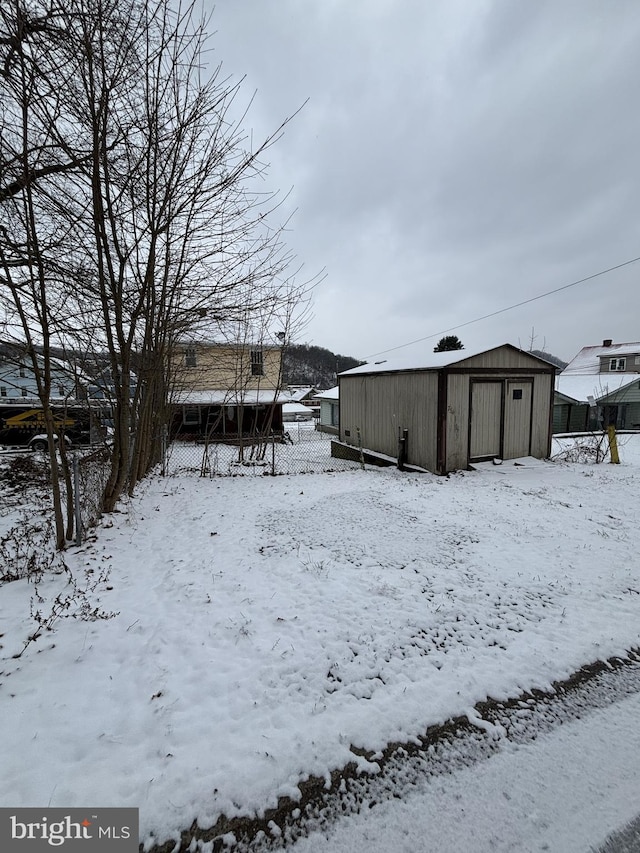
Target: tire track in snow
(463,742)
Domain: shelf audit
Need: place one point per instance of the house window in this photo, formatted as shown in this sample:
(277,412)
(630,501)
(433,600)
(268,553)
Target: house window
(190,357)
(191,415)
(334,415)
(3,391)
(61,390)
(23,373)
(24,392)
(257,363)
(617,364)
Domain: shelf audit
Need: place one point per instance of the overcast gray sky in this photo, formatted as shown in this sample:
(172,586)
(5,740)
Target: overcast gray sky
(455,157)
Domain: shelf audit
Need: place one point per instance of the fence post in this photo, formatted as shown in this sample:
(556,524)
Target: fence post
(360,447)
(402,449)
(273,456)
(613,444)
(76,498)
(163,448)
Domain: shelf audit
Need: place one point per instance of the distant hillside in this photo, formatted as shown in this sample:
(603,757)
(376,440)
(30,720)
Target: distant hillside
(310,365)
(548,357)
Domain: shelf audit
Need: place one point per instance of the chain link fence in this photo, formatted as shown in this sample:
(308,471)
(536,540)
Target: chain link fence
(301,450)
(90,474)
(26,515)
(25,477)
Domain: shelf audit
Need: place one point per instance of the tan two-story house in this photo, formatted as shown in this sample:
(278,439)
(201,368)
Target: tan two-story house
(223,391)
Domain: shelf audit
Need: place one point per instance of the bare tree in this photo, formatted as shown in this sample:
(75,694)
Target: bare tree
(533,338)
(32,247)
(181,241)
(133,166)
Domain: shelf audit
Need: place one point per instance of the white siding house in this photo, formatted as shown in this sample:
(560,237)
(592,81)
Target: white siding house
(18,381)
(599,387)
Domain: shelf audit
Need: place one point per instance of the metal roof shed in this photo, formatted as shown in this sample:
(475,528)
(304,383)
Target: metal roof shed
(456,407)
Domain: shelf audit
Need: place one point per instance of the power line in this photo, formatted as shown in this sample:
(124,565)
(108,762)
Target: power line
(510,308)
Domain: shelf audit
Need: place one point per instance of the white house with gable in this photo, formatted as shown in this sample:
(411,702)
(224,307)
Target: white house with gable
(599,387)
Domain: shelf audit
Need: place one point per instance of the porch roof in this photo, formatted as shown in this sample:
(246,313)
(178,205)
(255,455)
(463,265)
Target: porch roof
(216,397)
(597,385)
(331,394)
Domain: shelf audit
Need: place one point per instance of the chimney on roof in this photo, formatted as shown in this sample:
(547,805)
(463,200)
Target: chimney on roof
(607,342)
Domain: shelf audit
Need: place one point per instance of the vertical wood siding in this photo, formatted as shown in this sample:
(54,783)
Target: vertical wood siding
(502,358)
(543,384)
(570,417)
(383,405)
(486,419)
(457,456)
(517,418)
(632,416)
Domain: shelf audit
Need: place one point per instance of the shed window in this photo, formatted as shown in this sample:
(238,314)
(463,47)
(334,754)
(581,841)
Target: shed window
(517,393)
(190,357)
(257,363)
(617,364)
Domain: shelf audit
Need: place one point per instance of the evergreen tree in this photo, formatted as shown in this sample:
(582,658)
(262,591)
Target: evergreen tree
(448,343)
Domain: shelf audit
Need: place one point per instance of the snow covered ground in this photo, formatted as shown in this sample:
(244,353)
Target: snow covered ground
(565,792)
(266,625)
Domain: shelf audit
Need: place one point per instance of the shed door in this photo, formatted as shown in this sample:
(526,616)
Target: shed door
(517,418)
(486,419)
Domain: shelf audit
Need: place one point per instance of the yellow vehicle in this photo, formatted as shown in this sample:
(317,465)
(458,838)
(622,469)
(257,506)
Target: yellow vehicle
(25,427)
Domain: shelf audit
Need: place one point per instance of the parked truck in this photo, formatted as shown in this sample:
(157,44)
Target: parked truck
(24,426)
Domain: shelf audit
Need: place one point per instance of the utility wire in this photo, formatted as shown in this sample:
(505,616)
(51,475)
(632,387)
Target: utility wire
(510,308)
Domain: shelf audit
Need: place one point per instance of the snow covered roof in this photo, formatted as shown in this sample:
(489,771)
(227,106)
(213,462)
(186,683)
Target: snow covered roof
(34,401)
(19,358)
(331,394)
(588,359)
(65,366)
(426,361)
(579,387)
(298,393)
(297,409)
(229,398)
